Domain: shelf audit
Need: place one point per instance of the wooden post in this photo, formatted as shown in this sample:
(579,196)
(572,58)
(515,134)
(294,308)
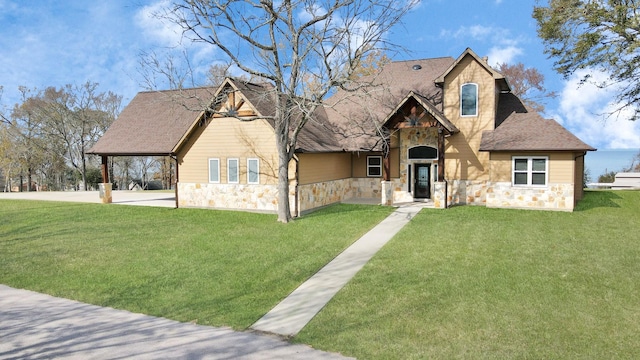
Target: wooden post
(176,183)
(440,154)
(104,169)
(386,171)
(105,186)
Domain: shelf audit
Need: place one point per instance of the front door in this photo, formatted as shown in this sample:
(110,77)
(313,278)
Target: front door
(423,186)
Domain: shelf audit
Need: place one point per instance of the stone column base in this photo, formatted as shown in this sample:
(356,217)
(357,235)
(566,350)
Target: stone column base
(440,195)
(105,193)
(387,193)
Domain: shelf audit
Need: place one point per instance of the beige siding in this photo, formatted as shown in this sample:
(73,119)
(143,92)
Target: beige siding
(561,166)
(314,168)
(225,138)
(464,161)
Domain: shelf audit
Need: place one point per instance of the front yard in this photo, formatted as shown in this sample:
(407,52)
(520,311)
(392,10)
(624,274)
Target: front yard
(468,282)
(477,283)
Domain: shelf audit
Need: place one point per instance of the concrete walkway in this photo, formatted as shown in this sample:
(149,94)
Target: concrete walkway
(38,326)
(296,310)
(122,197)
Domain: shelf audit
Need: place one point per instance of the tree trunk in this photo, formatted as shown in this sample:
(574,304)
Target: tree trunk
(284,209)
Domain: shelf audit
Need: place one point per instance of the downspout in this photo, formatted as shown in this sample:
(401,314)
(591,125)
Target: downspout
(175,157)
(296,207)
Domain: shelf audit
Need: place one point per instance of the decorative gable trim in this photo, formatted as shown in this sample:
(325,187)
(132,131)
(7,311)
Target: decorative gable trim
(428,107)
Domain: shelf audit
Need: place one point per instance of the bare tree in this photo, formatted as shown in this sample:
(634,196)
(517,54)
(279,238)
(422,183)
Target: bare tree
(305,49)
(527,84)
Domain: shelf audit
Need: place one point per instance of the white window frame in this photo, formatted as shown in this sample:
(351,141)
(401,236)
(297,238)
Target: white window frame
(217,165)
(369,166)
(530,171)
(249,160)
(237,171)
(477,98)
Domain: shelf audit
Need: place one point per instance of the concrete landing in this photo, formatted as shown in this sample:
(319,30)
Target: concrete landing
(296,310)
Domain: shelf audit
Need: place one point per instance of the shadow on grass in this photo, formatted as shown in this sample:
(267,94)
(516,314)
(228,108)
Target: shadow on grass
(594,199)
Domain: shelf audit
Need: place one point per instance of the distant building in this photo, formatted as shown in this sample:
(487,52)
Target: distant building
(626,180)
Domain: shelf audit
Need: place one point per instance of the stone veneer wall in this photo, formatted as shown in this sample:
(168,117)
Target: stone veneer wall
(228,196)
(467,192)
(552,197)
(314,195)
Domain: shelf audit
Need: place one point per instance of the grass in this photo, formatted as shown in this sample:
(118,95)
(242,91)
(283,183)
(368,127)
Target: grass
(472,282)
(213,267)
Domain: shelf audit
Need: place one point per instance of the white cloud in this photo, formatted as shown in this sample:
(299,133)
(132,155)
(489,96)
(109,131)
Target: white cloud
(161,31)
(504,55)
(504,48)
(584,109)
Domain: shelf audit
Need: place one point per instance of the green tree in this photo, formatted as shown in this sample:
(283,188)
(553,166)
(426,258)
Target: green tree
(596,35)
(607,177)
(291,44)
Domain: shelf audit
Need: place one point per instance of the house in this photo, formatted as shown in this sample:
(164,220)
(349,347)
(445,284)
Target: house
(626,181)
(443,130)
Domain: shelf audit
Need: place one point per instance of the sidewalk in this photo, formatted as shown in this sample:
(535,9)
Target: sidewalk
(124,197)
(38,326)
(296,310)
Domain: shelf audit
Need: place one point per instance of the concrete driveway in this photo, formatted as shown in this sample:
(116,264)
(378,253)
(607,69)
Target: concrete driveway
(38,326)
(122,197)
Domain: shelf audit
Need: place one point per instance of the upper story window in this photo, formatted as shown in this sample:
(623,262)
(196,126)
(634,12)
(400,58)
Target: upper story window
(469,100)
(530,171)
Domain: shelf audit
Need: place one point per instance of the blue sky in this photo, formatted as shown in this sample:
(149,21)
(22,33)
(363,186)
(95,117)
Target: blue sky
(57,42)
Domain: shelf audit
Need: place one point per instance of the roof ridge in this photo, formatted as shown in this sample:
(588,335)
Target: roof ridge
(423,59)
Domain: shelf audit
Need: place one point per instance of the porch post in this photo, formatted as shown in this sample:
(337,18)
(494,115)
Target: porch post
(440,154)
(386,189)
(105,186)
(177,179)
(440,190)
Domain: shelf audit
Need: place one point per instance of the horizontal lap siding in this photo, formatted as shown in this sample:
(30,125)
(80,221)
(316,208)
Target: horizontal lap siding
(463,160)
(561,166)
(225,138)
(314,168)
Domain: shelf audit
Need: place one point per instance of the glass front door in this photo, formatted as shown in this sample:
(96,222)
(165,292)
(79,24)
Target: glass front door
(423,185)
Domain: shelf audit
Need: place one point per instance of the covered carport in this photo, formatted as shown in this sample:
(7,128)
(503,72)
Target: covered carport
(154,123)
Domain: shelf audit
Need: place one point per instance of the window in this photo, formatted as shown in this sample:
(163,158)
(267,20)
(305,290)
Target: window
(469,100)
(423,152)
(214,170)
(530,171)
(253,171)
(232,171)
(374,166)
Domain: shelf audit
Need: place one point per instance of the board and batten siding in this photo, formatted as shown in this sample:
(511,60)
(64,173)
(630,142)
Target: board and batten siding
(463,160)
(225,138)
(561,166)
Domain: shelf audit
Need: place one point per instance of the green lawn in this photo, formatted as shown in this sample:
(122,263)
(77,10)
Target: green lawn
(472,282)
(214,267)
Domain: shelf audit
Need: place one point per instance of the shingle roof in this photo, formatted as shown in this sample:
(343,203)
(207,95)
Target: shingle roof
(153,123)
(530,132)
(356,120)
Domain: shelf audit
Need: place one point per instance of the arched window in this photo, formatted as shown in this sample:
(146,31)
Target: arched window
(423,152)
(469,100)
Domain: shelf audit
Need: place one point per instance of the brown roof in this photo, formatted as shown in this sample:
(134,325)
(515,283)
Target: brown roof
(153,123)
(530,132)
(355,116)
